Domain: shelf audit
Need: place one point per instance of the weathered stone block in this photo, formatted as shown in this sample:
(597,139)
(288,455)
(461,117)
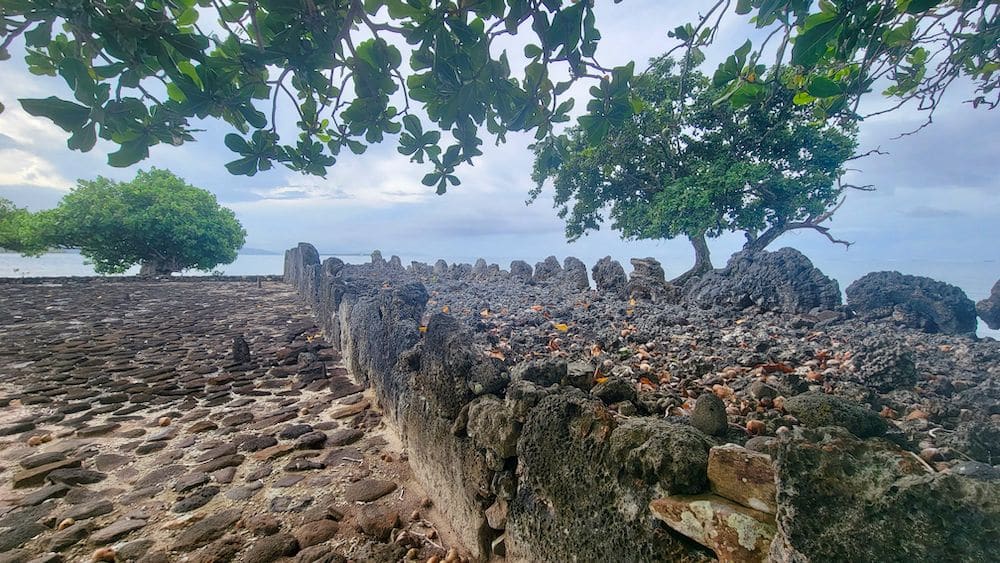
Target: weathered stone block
(734,532)
(743,476)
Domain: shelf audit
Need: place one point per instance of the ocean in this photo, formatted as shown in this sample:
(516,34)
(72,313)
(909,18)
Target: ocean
(976,278)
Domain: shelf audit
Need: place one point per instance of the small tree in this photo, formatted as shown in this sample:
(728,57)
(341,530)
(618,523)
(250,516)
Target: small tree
(683,165)
(18,230)
(157,220)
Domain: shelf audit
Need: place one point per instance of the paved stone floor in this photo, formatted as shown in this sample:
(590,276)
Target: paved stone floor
(131,429)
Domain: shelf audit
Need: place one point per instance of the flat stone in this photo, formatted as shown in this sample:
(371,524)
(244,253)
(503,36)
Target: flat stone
(159,476)
(150,447)
(344,437)
(258,443)
(224,475)
(744,476)
(243,493)
(89,510)
(107,462)
(168,433)
(271,548)
(290,504)
(294,431)
(36,476)
(734,532)
(238,419)
(134,550)
(204,531)
(302,464)
(317,532)
(216,453)
(19,533)
(202,426)
(288,481)
(190,481)
(16,428)
(224,461)
(378,522)
(350,410)
(69,536)
(119,529)
(47,558)
(311,440)
(259,473)
(38,460)
(195,500)
(367,490)
(76,476)
(47,492)
(273,452)
(100,430)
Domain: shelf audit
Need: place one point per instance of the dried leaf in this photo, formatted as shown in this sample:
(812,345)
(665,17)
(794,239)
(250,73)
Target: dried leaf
(423,328)
(446,309)
(561,327)
(537,308)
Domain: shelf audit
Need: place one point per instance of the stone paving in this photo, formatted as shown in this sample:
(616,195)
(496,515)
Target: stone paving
(194,421)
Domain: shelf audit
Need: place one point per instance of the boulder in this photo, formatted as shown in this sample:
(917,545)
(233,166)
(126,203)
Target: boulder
(491,426)
(845,499)
(884,363)
(440,268)
(520,270)
(783,281)
(709,415)
(609,275)
(479,269)
(734,532)
(816,409)
(547,269)
(575,273)
(912,301)
(989,308)
(743,476)
(648,281)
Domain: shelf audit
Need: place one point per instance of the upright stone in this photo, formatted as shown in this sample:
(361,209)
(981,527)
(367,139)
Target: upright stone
(609,275)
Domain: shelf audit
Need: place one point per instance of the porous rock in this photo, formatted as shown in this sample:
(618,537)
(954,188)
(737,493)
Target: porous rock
(816,409)
(912,301)
(989,308)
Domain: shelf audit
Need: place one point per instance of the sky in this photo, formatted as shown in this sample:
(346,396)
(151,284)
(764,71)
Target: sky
(935,211)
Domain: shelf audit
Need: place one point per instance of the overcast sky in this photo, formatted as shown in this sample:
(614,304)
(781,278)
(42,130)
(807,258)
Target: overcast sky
(935,212)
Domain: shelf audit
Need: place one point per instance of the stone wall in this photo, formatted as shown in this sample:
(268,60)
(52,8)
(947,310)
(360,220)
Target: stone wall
(530,466)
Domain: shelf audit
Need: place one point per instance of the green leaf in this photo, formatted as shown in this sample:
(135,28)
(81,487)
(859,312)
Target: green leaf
(743,7)
(532,51)
(129,153)
(802,99)
(918,6)
(822,87)
(812,44)
(83,139)
(430,179)
(187,17)
(356,147)
(67,115)
(188,69)
(236,143)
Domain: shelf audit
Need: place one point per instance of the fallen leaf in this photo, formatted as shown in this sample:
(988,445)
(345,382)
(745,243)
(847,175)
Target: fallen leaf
(423,328)
(446,309)
(561,327)
(537,308)
(496,354)
(484,313)
(600,379)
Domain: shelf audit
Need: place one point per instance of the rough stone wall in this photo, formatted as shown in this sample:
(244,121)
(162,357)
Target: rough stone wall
(542,472)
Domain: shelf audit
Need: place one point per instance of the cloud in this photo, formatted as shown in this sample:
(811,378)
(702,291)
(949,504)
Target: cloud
(928,212)
(23,168)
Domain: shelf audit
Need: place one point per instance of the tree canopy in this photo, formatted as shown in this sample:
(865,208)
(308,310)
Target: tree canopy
(18,229)
(356,71)
(685,166)
(156,220)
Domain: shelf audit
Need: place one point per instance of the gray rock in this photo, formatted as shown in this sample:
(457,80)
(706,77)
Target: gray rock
(241,350)
(818,409)
(989,308)
(367,490)
(271,548)
(116,530)
(69,536)
(614,390)
(521,271)
(784,281)
(575,273)
(913,301)
(89,510)
(202,532)
(609,275)
(76,476)
(709,415)
(547,269)
(544,372)
(845,499)
(884,363)
(491,426)
(196,500)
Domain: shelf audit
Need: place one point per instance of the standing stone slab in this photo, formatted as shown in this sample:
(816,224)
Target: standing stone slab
(744,476)
(734,532)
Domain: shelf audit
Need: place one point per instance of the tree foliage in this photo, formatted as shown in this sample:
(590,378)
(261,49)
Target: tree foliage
(141,72)
(18,230)
(833,53)
(683,165)
(156,219)
(435,73)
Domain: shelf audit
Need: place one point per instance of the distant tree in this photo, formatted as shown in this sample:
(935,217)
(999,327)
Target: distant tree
(683,165)
(18,230)
(156,220)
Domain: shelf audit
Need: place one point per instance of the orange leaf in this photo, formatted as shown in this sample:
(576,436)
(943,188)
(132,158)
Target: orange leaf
(446,309)
(484,313)
(423,328)
(600,379)
(537,308)
(496,354)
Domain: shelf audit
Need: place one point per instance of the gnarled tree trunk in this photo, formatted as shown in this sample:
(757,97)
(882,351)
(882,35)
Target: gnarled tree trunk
(156,267)
(702,260)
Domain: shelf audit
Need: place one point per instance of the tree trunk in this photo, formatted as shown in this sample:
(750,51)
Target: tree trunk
(154,267)
(702,260)
(767,237)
